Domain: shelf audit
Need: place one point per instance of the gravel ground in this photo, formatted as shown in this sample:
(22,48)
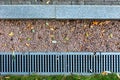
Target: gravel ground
(60,35)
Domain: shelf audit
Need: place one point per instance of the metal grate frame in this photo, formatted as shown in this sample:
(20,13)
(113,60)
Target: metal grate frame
(49,63)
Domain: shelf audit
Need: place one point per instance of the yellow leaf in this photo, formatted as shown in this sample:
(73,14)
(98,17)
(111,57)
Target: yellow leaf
(118,75)
(11,34)
(7,77)
(111,35)
(47,23)
(66,38)
(86,34)
(28,39)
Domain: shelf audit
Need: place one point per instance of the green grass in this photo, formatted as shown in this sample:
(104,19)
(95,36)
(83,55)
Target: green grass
(61,77)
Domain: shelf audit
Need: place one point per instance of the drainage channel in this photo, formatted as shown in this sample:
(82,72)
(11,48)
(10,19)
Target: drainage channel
(49,63)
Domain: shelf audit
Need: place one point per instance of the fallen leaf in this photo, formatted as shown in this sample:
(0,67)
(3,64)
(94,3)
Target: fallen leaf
(106,73)
(86,34)
(107,22)
(111,35)
(20,39)
(11,34)
(27,44)
(29,27)
(7,77)
(72,29)
(13,54)
(52,29)
(103,31)
(33,31)
(91,26)
(101,35)
(85,26)
(54,41)
(118,75)
(19,32)
(48,2)
(4,45)
(95,22)
(52,36)
(12,49)
(28,39)
(66,38)
(47,23)
(32,27)
(101,23)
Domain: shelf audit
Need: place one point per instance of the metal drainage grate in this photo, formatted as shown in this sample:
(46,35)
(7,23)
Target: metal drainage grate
(59,63)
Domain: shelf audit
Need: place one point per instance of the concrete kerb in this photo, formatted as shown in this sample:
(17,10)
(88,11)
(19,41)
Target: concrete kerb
(59,11)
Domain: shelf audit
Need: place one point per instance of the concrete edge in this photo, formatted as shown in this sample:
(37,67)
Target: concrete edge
(60,53)
(59,12)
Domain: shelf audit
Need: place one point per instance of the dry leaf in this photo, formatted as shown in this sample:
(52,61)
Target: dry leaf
(91,26)
(86,34)
(19,32)
(54,41)
(107,22)
(12,49)
(33,31)
(66,38)
(48,2)
(29,27)
(52,29)
(52,36)
(4,45)
(7,77)
(101,23)
(20,39)
(13,52)
(11,34)
(85,26)
(111,35)
(106,73)
(103,31)
(47,23)
(118,75)
(72,29)
(95,22)
(28,39)
(27,44)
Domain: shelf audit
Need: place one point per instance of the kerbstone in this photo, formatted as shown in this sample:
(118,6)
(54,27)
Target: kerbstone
(59,12)
(25,11)
(87,12)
